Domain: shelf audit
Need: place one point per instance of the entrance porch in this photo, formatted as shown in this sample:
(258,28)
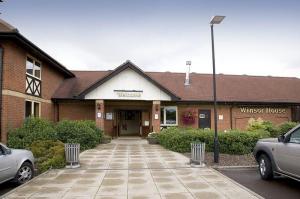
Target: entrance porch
(127,118)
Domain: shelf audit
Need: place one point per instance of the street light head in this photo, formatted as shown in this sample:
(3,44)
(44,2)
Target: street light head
(216,19)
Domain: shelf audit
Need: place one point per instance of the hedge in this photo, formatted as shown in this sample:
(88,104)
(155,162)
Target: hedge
(275,131)
(48,154)
(83,132)
(33,129)
(231,142)
(46,140)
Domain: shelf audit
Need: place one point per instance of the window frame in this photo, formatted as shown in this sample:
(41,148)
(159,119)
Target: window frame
(33,70)
(32,108)
(164,110)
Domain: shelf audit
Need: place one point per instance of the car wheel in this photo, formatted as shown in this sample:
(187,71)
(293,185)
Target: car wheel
(265,167)
(25,173)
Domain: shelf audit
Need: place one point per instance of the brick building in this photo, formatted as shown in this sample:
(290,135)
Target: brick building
(128,100)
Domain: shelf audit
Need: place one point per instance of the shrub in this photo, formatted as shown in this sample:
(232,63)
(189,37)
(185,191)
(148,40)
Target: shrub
(231,142)
(286,126)
(49,154)
(153,135)
(32,130)
(261,125)
(83,132)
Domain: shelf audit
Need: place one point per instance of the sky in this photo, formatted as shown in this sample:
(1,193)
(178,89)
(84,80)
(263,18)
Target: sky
(257,37)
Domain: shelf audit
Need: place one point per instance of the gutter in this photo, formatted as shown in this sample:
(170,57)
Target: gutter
(1,82)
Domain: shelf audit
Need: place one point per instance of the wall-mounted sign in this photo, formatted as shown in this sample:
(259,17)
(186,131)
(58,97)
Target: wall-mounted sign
(201,116)
(128,93)
(156,116)
(99,115)
(109,116)
(221,117)
(266,110)
(146,123)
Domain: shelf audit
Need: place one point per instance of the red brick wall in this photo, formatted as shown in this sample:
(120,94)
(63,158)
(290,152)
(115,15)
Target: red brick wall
(239,120)
(14,79)
(77,110)
(12,114)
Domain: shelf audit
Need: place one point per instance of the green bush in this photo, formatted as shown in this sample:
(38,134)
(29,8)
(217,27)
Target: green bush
(286,126)
(232,142)
(32,130)
(261,125)
(83,132)
(49,154)
(275,131)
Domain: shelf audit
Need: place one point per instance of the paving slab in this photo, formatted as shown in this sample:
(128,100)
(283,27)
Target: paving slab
(132,169)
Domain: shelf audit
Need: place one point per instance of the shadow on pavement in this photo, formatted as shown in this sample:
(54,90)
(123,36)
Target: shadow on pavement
(277,188)
(6,187)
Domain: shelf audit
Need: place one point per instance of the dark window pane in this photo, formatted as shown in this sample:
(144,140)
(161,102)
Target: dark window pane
(162,115)
(170,115)
(28,108)
(29,66)
(37,70)
(36,109)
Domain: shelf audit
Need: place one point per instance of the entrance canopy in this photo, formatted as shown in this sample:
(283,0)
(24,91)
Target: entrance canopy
(128,82)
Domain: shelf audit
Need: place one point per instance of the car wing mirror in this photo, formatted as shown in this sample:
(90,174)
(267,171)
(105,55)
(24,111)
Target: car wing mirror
(281,138)
(7,151)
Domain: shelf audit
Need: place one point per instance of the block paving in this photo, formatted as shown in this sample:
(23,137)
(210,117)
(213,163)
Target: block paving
(132,169)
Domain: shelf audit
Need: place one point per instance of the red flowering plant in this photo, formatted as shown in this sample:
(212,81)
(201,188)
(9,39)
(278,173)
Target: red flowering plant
(188,117)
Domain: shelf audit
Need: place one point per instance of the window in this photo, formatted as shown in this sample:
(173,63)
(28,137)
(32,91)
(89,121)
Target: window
(295,137)
(168,116)
(33,77)
(33,67)
(1,150)
(32,109)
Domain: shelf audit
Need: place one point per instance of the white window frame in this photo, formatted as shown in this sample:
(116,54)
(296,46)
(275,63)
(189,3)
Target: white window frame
(32,108)
(33,70)
(164,122)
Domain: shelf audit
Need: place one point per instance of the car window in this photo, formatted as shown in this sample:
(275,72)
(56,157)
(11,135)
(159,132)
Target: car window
(295,137)
(1,150)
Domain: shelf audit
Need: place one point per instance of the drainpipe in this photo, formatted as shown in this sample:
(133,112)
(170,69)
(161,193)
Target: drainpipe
(1,81)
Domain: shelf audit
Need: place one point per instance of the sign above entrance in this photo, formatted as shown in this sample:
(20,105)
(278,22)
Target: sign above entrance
(128,93)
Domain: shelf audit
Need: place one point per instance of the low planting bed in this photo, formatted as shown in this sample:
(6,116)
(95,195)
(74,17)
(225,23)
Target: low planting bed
(236,146)
(231,142)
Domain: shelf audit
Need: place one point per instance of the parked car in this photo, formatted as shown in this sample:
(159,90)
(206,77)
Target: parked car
(16,165)
(279,156)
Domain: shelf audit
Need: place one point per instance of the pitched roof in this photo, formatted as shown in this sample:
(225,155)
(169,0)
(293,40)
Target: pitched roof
(121,68)
(7,31)
(230,88)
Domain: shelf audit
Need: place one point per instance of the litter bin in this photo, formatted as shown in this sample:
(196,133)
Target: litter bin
(72,155)
(197,153)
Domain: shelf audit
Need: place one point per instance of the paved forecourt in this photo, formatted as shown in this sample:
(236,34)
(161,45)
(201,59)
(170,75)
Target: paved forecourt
(131,168)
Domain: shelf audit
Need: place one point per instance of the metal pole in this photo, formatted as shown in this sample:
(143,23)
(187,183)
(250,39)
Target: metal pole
(216,140)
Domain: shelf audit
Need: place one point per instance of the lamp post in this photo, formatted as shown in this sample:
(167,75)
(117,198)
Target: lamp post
(215,20)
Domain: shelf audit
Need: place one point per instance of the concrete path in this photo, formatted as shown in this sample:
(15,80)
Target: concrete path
(130,168)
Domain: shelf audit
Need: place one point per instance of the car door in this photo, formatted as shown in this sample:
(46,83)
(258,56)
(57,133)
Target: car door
(288,154)
(7,165)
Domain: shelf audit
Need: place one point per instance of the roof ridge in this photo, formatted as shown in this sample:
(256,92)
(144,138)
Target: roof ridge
(197,73)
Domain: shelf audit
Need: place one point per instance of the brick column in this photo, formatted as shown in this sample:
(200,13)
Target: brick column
(156,116)
(100,113)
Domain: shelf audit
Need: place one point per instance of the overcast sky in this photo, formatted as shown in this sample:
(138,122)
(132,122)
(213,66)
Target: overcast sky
(257,37)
